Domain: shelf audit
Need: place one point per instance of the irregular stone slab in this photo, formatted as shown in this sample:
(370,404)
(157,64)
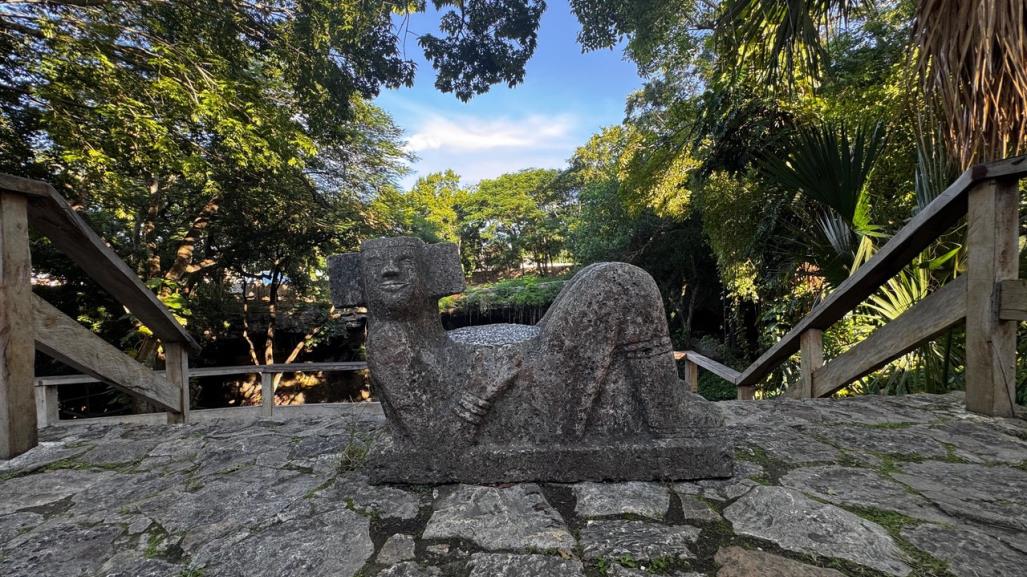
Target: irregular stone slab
(791,446)
(642,541)
(694,509)
(328,545)
(726,490)
(127,565)
(634,498)
(382,501)
(986,495)
(410,569)
(43,489)
(968,553)
(46,453)
(399,547)
(506,565)
(59,549)
(17,523)
(120,452)
(862,488)
(738,562)
(227,503)
(798,523)
(514,518)
(616,570)
(980,442)
(906,442)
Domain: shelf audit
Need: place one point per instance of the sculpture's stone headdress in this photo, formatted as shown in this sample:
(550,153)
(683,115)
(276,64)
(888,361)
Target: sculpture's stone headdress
(438,269)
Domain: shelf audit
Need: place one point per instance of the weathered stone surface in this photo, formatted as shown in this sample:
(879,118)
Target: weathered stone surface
(979,442)
(635,498)
(616,570)
(797,523)
(738,562)
(327,545)
(410,569)
(45,489)
(639,540)
(991,496)
(724,489)
(243,499)
(910,442)
(969,553)
(117,452)
(589,393)
(399,547)
(863,488)
(694,509)
(46,453)
(63,549)
(17,523)
(382,501)
(513,518)
(790,446)
(506,565)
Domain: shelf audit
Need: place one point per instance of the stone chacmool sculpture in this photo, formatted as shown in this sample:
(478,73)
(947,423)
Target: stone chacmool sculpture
(589,393)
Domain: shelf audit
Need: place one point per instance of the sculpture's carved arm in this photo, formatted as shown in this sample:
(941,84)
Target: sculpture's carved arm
(492,372)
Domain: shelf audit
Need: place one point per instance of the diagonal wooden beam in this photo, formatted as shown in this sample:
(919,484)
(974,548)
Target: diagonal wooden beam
(64,339)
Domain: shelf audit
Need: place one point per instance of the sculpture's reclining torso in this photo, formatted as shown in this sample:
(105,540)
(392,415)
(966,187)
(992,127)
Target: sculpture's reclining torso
(517,402)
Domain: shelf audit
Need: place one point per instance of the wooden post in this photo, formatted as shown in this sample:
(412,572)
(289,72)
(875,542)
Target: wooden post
(811,346)
(992,257)
(746,393)
(692,375)
(267,393)
(176,360)
(47,406)
(17,349)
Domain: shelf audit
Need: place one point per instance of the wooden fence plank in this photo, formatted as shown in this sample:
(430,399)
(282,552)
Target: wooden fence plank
(811,345)
(992,257)
(176,359)
(727,373)
(691,376)
(941,310)
(267,394)
(17,356)
(194,372)
(62,338)
(919,232)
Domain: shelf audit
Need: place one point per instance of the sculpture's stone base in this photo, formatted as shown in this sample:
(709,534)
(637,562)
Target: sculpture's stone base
(678,459)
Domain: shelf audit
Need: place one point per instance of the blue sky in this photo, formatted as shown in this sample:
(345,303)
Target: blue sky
(566,97)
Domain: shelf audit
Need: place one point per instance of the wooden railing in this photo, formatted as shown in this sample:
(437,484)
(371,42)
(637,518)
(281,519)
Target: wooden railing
(990,297)
(46,387)
(28,323)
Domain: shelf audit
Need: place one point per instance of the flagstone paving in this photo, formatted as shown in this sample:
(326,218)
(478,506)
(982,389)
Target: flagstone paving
(861,487)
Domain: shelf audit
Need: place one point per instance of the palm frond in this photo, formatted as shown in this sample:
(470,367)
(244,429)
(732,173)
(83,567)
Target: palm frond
(781,37)
(831,165)
(973,62)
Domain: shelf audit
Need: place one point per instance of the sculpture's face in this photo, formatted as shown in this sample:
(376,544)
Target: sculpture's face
(392,278)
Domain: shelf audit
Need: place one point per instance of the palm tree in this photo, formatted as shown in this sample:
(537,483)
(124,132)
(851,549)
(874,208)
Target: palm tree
(971,56)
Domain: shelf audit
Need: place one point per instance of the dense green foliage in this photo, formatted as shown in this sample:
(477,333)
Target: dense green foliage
(225,148)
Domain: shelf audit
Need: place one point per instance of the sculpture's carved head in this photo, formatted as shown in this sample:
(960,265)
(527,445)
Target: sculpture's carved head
(394,275)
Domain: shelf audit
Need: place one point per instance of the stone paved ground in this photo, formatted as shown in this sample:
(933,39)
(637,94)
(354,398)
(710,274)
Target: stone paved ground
(867,486)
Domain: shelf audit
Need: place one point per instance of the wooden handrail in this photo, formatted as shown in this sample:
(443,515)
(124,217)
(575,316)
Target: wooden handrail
(50,214)
(275,369)
(911,240)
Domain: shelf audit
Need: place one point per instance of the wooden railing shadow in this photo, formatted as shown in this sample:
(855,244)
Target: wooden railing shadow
(990,297)
(28,323)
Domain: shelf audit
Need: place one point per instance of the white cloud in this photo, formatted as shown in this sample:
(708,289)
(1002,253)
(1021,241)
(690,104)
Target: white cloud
(468,133)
